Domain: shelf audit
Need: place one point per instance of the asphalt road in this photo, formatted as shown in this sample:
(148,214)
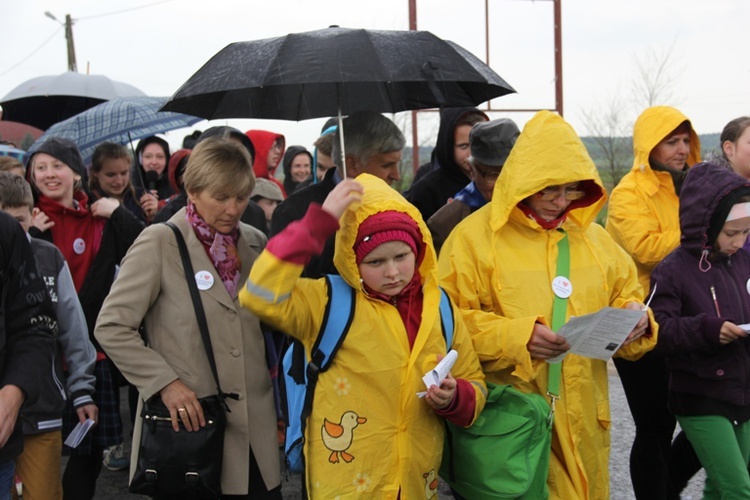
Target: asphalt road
(113,485)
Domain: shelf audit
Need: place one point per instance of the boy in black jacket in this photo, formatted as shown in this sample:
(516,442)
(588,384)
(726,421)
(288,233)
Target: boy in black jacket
(39,464)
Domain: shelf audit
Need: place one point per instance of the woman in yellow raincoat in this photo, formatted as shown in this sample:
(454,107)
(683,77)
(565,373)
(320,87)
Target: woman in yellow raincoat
(643,218)
(370,435)
(499,264)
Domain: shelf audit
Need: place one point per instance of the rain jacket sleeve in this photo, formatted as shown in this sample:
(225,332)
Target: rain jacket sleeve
(275,277)
(500,342)
(642,218)
(625,289)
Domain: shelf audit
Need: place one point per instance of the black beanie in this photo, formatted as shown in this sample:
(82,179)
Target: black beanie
(64,150)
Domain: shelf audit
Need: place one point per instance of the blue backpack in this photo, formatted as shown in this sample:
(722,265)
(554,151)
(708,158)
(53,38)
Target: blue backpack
(301,375)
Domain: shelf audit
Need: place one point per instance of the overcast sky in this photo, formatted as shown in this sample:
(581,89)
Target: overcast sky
(158,45)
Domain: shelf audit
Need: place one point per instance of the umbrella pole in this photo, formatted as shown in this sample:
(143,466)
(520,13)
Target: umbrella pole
(136,162)
(341,141)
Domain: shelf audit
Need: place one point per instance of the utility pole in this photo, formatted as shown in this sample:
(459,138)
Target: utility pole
(72,66)
(414,132)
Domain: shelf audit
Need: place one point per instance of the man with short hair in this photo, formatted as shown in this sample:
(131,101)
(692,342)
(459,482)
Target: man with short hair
(490,144)
(373,144)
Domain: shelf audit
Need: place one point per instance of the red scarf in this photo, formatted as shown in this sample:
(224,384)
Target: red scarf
(76,232)
(220,248)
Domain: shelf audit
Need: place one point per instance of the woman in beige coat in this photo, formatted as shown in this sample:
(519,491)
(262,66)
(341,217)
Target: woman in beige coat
(151,289)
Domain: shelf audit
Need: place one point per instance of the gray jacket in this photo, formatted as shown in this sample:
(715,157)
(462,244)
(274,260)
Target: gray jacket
(72,344)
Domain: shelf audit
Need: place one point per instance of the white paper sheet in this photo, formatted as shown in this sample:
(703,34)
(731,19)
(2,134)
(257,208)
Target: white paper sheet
(438,374)
(78,433)
(600,334)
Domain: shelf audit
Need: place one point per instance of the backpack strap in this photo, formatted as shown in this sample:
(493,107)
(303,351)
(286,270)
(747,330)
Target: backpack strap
(446,319)
(337,319)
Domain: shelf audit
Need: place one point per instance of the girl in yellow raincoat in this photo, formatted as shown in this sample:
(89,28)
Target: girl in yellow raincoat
(498,266)
(370,435)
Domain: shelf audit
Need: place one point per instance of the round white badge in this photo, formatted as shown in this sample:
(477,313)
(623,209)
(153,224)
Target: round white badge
(562,287)
(204,280)
(747,286)
(79,246)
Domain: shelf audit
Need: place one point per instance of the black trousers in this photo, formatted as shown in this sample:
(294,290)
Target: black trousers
(660,467)
(81,473)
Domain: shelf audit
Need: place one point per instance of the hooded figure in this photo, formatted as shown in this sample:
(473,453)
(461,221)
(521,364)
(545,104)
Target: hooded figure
(642,214)
(396,438)
(643,219)
(498,266)
(446,177)
(160,182)
(289,183)
(700,292)
(263,140)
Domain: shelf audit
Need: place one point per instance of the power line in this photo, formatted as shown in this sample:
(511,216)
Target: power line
(125,10)
(32,53)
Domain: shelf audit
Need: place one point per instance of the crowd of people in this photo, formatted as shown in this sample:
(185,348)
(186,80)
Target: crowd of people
(487,221)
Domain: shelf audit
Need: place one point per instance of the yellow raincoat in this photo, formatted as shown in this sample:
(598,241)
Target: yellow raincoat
(498,266)
(396,438)
(643,208)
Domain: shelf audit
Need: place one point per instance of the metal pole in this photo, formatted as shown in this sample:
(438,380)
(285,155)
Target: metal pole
(558,57)
(414,133)
(72,66)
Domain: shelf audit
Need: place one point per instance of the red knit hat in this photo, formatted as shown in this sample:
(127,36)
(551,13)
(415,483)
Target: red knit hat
(383,227)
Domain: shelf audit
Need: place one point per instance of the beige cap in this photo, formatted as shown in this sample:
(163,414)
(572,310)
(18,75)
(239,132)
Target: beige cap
(267,189)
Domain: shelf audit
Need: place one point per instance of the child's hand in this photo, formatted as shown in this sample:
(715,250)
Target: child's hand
(730,332)
(344,194)
(40,220)
(104,207)
(90,411)
(441,397)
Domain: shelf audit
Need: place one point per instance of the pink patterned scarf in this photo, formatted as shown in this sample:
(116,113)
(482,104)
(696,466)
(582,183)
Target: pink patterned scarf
(221,249)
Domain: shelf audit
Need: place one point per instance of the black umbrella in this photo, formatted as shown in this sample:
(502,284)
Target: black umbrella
(336,71)
(46,100)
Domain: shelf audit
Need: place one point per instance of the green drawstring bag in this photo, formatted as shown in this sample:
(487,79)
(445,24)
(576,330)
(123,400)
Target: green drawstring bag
(506,453)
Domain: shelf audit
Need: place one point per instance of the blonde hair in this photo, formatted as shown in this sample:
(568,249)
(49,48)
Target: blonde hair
(219,165)
(8,163)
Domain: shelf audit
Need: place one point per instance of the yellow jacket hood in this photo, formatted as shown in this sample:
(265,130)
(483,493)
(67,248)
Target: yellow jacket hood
(378,197)
(653,125)
(547,153)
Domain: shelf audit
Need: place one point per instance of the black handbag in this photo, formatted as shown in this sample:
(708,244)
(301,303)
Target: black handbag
(183,464)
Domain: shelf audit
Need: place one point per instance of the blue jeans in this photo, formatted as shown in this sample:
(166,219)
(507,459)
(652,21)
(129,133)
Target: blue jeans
(7,471)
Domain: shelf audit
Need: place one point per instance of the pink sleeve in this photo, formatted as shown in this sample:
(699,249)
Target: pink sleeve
(303,239)
(461,410)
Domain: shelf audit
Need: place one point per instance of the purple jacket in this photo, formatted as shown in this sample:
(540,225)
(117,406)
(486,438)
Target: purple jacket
(689,318)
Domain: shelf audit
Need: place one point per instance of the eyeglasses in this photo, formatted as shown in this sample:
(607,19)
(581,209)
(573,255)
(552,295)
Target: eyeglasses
(554,192)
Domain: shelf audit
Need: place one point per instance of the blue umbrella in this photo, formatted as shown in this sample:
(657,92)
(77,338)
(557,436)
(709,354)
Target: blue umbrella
(120,120)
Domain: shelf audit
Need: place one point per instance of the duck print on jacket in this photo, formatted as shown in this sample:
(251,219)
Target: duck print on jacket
(338,437)
(431,484)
